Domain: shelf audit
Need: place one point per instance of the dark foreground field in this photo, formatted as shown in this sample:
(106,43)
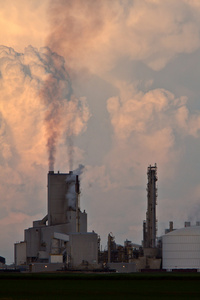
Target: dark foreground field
(99,286)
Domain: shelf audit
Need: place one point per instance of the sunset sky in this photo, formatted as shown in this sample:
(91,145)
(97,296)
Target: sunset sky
(112,85)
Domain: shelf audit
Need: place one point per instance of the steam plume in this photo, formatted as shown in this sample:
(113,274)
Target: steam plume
(46,107)
(56,93)
(71,180)
(53,97)
(70,148)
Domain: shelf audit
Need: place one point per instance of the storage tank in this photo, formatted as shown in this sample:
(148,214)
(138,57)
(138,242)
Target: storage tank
(181,248)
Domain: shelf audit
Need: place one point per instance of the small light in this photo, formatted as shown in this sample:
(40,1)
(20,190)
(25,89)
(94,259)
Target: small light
(45,266)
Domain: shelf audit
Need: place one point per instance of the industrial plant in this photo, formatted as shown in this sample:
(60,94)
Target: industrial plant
(60,241)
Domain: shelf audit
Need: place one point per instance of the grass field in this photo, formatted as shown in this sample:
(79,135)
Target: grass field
(99,286)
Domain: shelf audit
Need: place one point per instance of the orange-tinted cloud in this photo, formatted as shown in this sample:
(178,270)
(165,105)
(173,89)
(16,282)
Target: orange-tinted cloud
(29,118)
(23,23)
(96,34)
(148,125)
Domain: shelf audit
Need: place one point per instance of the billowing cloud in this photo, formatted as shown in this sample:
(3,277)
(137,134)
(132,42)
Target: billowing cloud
(37,112)
(147,127)
(96,34)
(132,50)
(150,126)
(23,23)
(38,105)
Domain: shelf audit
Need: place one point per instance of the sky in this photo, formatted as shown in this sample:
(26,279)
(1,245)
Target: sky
(112,85)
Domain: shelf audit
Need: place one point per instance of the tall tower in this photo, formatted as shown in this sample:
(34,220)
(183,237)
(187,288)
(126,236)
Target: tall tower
(149,226)
(63,196)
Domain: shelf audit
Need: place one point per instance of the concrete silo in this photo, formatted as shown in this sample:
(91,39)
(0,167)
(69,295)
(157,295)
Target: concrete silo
(181,249)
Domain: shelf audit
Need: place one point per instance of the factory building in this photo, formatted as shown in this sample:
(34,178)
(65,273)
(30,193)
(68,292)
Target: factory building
(2,262)
(61,237)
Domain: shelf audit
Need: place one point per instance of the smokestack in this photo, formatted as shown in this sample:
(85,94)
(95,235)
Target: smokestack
(77,190)
(171,226)
(77,185)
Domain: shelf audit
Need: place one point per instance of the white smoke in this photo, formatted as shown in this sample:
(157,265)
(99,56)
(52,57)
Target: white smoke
(71,181)
(79,170)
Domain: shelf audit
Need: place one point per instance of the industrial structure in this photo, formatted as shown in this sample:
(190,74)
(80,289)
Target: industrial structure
(147,255)
(61,237)
(151,248)
(149,226)
(181,249)
(121,253)
(61,240)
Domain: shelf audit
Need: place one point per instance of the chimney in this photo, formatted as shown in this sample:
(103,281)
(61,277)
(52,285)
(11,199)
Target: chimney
(171,226)
(77,190)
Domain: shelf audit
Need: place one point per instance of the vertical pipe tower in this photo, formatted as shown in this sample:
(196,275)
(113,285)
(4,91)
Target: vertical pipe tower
(150,224)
